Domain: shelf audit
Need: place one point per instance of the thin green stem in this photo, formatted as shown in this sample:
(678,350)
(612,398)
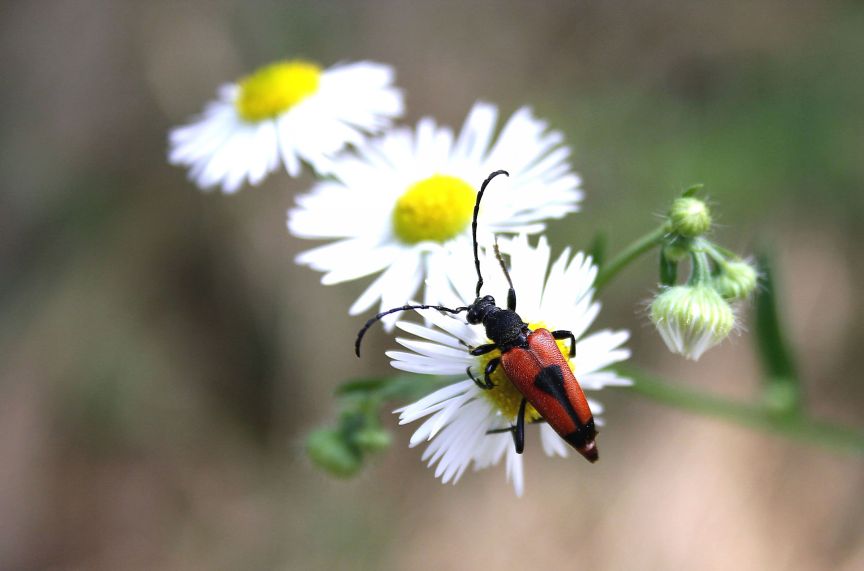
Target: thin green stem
(701,268)
(627,255)
(797,426)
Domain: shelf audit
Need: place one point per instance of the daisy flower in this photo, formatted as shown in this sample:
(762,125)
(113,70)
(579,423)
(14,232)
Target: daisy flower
(287,112)
(460,415)
(407,198)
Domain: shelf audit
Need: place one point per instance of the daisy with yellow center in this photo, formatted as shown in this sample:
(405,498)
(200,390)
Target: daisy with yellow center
(286,112)
(458,417)
(405,199)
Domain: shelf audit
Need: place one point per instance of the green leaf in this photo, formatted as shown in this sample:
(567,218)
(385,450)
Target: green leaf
(328,449)
(693,190)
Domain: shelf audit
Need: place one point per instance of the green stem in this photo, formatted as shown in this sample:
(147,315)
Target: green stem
(630,253)
(798,426)
(701,268)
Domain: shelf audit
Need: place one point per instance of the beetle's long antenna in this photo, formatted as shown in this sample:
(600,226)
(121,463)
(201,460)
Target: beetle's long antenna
(372,321)
(474,225)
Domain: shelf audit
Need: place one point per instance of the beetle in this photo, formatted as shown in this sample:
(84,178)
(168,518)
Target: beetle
(531,359)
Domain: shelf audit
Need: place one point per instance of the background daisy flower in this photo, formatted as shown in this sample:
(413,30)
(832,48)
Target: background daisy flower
(459,416)
(288,112)
(407,198)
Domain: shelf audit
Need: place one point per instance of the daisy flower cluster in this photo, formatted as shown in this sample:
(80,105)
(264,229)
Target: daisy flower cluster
(395,205)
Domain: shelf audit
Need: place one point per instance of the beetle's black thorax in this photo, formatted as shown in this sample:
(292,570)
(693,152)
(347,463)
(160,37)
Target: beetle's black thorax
(504,327)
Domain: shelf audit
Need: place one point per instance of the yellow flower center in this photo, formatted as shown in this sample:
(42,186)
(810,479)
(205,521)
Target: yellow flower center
(504,396)
(275,88)
(437,208)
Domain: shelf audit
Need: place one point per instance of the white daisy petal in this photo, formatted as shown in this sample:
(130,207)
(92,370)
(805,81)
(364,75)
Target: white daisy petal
(436,351)
(515,471)
(439,396)
(429,333)
(601,349)
(553,445)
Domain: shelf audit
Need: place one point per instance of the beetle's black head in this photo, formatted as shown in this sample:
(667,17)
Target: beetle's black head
(480,308)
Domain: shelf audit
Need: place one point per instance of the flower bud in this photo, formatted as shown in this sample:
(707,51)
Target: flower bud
(689,217)
(736,280)
(329,450)
(692,319)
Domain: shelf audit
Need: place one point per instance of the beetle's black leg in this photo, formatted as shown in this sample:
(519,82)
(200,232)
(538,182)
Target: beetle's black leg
(511,293)
(490,368)
(519,429)
(483,349)
(478,382)
(563,334)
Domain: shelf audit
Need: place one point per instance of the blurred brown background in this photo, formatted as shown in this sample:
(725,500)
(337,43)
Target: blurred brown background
(163,358)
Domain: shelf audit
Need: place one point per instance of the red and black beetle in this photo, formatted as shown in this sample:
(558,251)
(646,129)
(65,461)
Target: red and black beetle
(532,360)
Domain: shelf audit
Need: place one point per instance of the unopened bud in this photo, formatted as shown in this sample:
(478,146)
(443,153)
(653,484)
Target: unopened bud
(689,217)
(736,280)
(692,319)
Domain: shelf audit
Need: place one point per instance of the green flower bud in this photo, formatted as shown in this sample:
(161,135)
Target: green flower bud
(689,217)
(736,280)
(329,450)
(373,439)
(692,319)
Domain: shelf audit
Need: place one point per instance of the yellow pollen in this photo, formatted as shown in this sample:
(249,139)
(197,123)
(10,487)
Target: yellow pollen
(437,208)
(504,396)
(275,88)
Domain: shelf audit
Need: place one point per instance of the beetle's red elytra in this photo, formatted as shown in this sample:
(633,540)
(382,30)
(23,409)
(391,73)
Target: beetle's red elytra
(542,374)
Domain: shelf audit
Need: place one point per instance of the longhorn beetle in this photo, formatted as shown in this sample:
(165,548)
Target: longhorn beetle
(532,360)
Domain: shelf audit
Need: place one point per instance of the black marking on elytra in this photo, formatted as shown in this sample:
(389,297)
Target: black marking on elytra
(583,434)
(550,380)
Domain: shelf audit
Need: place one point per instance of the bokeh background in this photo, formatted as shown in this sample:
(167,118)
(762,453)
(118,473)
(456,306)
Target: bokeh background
(163,358)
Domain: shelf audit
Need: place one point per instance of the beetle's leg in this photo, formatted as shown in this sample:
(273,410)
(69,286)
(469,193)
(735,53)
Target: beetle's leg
(487,374)
(477,381)
(511,299)
(519,429)
(490,366)
(483,349)
(563,334)
(511,293)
